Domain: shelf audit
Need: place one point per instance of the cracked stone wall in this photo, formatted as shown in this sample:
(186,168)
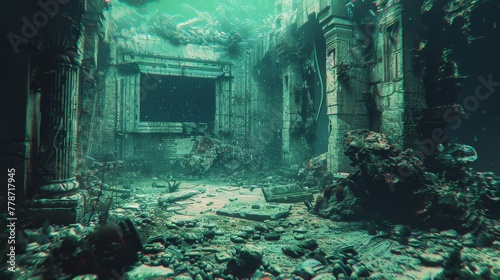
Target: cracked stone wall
(397,90)
(124,135)
(371,81)
(347,76)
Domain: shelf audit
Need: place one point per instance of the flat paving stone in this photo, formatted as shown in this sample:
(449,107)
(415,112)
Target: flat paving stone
(255,211)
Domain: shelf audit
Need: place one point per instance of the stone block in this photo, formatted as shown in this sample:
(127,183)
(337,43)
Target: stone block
(255,211)
(60,211)
(290,193)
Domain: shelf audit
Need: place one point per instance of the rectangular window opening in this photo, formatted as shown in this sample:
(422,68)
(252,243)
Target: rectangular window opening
(177,99)
(391,41)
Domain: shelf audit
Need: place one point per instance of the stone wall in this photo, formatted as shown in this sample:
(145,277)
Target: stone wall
(347,76)
(369,82)
(123,135)
(397,90)
(370,79)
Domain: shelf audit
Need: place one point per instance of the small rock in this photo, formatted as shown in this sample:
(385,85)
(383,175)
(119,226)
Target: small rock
(300,230)
(219,232)
(222,257)
(179,223)
(242,234)
(247,260)
(361,271)
(294,251)
(305,272)
(144,259)
(275,270)
(279,230)
(193,255)
(431,259)
(261,227)
(396,251)
(248,229)
(174,239)
(153,248)
(299,236)
(210,225)
(236,239)
(133,206)
(284,223)
(209,234)
(310,244)
(272,236)
(450,233)
(256,237)
(170,225)
(193,237)
(165,259)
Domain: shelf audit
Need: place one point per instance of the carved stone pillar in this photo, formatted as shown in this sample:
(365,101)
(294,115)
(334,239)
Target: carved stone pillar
(59,82)
(59,60)
(91,90)
(58,123)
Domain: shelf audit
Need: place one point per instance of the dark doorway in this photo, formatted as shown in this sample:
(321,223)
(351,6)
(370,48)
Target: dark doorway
(178,99)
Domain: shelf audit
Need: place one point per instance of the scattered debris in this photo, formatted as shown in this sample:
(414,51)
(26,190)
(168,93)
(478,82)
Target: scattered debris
(165,199)
(210,153)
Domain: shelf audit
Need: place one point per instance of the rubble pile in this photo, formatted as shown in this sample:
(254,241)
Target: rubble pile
(210,153)
(385,180)
(57,252)
(314,173)
(399,187)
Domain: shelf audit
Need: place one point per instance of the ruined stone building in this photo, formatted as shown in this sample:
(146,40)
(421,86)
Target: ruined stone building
(250,139)
(80,87)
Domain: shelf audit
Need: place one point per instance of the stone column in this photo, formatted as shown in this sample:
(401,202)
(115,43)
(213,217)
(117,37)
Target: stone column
(60,59)
(92,82)
(340,99)
(293,153)
(58,62)
(59,100)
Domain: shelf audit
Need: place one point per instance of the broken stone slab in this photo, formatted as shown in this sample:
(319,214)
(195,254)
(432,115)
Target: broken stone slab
(149,272)
(290,193)
(180,195)
(132,206)
(255,211)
